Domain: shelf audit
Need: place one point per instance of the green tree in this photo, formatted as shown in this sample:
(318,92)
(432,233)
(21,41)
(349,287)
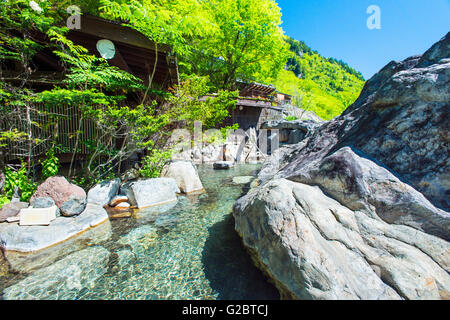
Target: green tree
(171,22)
(194,104)
(94,88)
(247,43)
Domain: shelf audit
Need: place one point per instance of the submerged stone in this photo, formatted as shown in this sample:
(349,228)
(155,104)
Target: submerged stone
(70,276)
(243,179)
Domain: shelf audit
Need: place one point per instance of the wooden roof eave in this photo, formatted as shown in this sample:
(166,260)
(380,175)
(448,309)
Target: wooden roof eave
(116,32)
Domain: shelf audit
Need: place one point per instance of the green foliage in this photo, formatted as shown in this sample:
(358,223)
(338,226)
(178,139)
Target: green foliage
(84,181)
(217,41)
(50,166)
(21,180)
(299,48)
(153,164)
(325,86)
(4,200)
(171,22)
(11,135)
(247,43)
(227,130)
(19,15)
(291,118)
(192,102)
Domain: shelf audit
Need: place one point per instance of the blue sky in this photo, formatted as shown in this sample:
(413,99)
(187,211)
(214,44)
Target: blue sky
(337,28)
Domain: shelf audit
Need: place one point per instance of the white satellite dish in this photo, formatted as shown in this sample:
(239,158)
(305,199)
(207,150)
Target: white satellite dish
(106,48)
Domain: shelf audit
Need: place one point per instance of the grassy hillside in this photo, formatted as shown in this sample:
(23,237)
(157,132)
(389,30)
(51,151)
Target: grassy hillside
(323,85)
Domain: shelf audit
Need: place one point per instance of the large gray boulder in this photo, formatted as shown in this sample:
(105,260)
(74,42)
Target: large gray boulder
(313,247)
(104,192)
(366,189)
(399,121)
(185,174)
(360,184)
(150,192)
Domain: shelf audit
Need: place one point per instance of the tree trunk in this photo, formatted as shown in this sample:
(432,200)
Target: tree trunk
(30,142)
(150,79)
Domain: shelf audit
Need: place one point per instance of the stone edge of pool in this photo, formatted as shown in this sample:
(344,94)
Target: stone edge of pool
(28,239)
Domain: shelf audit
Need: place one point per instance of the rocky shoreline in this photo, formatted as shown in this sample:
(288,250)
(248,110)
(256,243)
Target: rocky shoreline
(32,228)
(358,209)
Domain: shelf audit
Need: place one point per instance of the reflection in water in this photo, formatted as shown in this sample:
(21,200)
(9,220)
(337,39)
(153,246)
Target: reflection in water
(187,250)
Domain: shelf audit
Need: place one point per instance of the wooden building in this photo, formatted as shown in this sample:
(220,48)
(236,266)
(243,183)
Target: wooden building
(134,52)
(255,105)
(125,48)
(282,98)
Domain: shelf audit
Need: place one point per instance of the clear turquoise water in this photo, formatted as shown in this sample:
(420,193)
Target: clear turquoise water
(187,250)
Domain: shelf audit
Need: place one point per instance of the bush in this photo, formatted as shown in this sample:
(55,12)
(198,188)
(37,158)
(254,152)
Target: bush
(50,165)
(21,180)
(3,200)
(153,164)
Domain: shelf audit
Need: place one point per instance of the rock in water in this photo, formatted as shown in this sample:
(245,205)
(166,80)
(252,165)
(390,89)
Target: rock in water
(223,165)
(123,205)
(359,208)
(150,192)
(59,189)
(121,210)
(185,174)
(103,192)
(243,179)
(399,120)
